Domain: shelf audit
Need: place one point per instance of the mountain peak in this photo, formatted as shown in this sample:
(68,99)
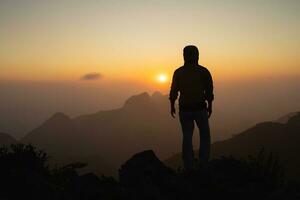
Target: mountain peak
(58,117)
(137,100)
(157,94)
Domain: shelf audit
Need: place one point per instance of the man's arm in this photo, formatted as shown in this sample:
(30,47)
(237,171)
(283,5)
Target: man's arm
(209,94)
(174,93)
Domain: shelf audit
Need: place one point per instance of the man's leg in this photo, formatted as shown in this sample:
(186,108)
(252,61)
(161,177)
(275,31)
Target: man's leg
(204,131)
(187,125)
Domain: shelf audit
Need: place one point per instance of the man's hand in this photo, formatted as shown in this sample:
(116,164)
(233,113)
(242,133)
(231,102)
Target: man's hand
(173,111)
(209,109)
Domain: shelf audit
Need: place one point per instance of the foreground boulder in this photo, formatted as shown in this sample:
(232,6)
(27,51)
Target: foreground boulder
(145,176)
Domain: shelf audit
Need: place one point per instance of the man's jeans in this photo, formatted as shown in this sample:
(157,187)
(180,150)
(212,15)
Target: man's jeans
(187,119)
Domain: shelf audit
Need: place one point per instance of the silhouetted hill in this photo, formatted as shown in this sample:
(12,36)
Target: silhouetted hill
(282,139)
(6,139)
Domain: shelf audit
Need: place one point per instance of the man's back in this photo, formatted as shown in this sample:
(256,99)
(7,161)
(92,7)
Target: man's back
(194,83)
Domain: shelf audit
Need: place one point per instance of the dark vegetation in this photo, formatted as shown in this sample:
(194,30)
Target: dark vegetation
(26,174)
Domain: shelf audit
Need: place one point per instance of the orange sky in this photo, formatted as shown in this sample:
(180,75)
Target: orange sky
(137,40)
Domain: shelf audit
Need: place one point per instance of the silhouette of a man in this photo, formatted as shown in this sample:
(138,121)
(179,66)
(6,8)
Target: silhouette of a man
(195,85)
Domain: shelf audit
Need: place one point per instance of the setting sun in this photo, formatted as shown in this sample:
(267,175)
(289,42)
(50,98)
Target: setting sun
(162,78)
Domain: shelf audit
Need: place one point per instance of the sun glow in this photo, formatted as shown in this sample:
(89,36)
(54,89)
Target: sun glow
(162,78)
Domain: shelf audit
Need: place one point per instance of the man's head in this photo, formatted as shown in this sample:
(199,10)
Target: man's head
(190,54)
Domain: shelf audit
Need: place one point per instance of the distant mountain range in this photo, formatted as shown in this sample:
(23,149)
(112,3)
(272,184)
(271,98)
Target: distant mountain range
(282,138)
(105,139)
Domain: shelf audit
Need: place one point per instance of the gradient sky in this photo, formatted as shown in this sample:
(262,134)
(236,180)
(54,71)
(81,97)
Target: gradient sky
(136,40)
